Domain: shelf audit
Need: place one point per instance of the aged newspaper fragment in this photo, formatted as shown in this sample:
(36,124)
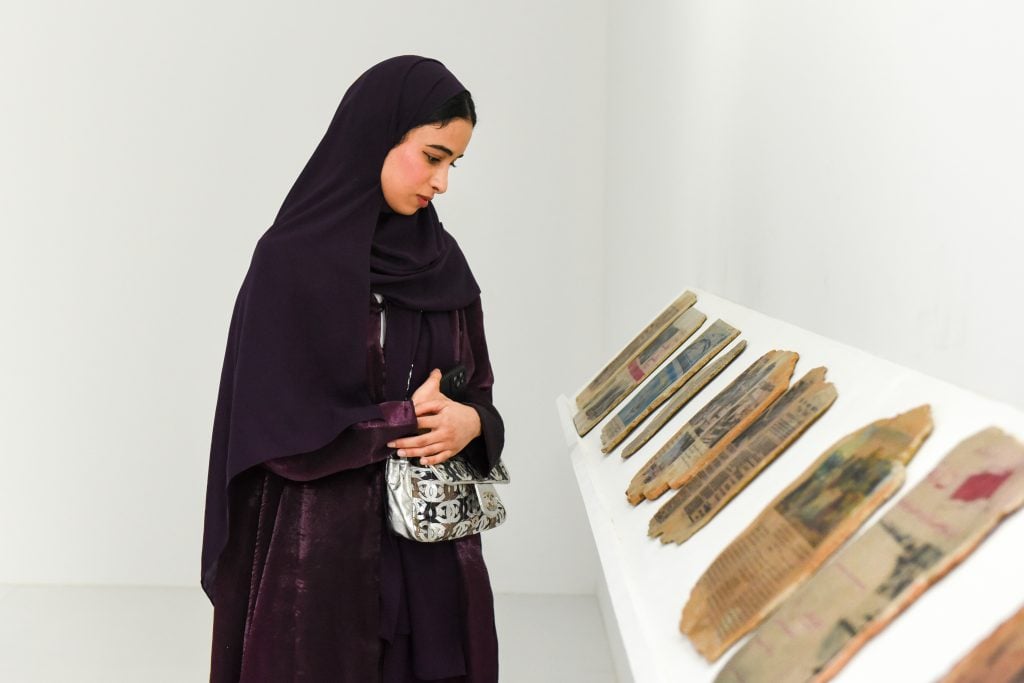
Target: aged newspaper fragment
(798,530)
(668,379)
(683,396)
(916,542)
(714,426)
(719,479)
(628,378)
(633,348)
(997,659)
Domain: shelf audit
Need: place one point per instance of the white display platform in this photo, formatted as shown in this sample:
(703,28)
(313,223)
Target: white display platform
(648,583)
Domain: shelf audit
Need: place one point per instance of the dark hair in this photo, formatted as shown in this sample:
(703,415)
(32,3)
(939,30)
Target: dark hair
(458,106)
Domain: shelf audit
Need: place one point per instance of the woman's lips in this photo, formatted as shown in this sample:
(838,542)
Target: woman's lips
(423,201)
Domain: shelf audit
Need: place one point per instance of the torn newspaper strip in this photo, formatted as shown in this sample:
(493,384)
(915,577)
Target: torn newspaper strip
(673,375)
(634,347)
(917,541)
(683,396)
(997,659)
(714,426)
(628,378)
(800,529)
(719,479)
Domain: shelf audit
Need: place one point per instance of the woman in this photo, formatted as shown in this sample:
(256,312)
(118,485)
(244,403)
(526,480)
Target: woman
(355,300)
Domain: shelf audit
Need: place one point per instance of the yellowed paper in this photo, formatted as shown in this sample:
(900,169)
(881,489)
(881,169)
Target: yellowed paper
(672,375)
(720,478)
(683,396)
(714,426)
(997,659)
(635,346)
(629,377)
(800,529)
(922,537)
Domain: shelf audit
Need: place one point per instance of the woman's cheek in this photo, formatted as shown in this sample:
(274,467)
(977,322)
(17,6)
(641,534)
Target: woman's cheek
(414,170)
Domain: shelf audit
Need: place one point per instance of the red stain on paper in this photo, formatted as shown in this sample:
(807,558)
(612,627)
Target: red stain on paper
(635,371)
(980,486)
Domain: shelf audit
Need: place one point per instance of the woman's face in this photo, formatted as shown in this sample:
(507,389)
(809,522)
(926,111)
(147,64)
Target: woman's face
(417,168)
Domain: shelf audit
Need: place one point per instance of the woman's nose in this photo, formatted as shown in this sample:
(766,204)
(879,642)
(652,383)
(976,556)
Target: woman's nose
(440,180)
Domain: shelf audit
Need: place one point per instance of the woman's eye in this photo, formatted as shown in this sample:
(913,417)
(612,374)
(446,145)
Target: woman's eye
(433,161)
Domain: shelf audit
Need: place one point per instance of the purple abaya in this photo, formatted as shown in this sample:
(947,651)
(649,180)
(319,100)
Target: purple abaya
(313,587)
(306,585)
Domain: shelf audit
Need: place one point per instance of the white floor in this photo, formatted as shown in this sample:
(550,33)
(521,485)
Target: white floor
(151,635)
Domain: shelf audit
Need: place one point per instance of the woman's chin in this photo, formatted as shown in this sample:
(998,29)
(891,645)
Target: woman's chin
(405,210)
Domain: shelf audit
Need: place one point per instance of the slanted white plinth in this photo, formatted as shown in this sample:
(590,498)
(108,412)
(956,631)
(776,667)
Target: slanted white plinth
(648,583)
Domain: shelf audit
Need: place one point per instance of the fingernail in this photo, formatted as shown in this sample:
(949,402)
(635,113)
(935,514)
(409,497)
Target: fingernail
(401,453)
(391,444)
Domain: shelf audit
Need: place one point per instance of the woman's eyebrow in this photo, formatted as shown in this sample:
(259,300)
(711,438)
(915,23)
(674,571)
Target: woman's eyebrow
(446,150)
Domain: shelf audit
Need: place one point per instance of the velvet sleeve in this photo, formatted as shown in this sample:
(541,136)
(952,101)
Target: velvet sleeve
(361,444)
(484,451)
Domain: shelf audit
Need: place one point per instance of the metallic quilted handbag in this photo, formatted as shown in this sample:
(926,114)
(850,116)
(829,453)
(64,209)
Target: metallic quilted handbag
(444,501)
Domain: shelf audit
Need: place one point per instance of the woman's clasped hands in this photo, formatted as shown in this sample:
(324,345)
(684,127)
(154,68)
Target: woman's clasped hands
(446,426)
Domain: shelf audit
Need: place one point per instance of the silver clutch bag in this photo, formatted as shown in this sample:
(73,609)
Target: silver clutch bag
(444,501)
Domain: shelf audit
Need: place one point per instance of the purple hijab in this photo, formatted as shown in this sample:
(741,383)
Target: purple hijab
(294,373)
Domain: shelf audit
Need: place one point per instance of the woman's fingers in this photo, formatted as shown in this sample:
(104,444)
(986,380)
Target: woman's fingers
(435,459)
(450,426)
(431,407)
(424,452)
(429,421)
(430,389)
(420,441)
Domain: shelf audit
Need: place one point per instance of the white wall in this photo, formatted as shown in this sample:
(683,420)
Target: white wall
(146,146)
(849,167)
(853,168)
